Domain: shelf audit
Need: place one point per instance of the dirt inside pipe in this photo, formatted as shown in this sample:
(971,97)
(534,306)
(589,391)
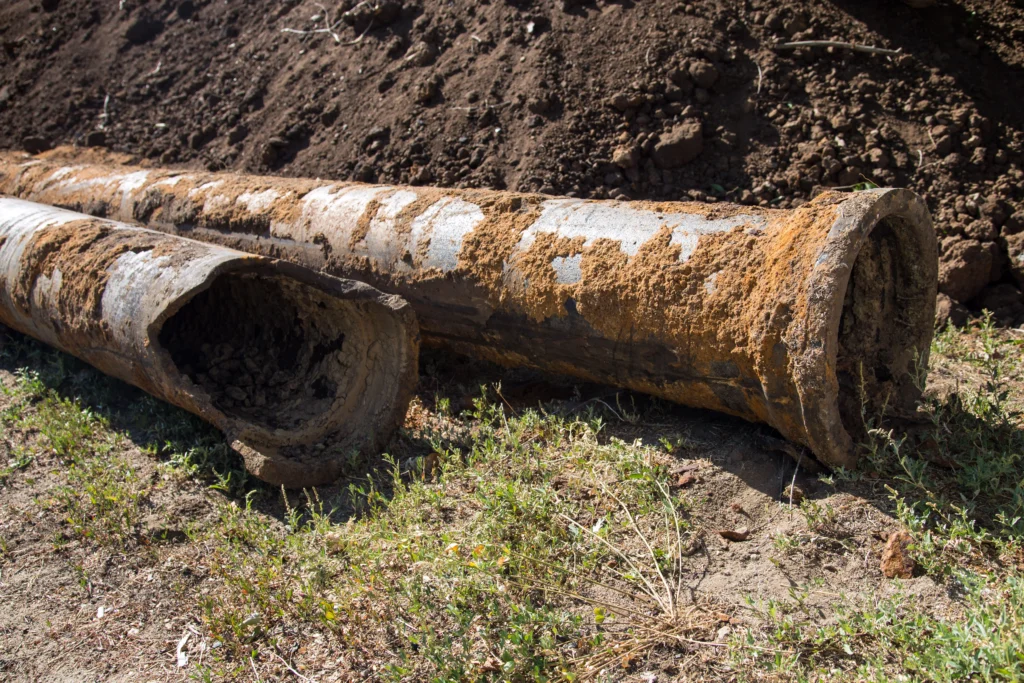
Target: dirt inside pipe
(266,349)
(875,363)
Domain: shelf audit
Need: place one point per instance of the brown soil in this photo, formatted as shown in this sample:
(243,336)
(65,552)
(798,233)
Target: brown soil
(591,99)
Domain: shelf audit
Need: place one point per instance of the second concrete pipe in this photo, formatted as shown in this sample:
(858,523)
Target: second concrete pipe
(303,372)
(802,319)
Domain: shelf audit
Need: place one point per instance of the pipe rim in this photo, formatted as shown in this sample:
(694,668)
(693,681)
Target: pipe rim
(827,285)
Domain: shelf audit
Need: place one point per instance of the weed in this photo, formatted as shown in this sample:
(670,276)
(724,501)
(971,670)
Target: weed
(822,518)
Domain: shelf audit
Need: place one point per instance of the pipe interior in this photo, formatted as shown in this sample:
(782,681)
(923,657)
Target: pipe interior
(880,345)
(267,349)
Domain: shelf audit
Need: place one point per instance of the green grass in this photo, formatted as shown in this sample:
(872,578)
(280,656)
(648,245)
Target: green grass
(967,523)
(465,574)
(523,545)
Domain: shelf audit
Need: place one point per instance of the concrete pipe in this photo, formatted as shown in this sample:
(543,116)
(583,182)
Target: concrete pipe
(796,318)
(300,370)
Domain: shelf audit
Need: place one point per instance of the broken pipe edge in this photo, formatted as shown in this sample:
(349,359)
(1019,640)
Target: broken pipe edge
(359,422)
(108,293)
(815,370)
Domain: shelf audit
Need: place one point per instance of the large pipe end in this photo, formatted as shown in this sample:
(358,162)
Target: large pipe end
(872,293)
(303,372)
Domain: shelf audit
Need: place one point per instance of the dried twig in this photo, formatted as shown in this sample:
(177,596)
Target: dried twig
(485,106)
(105,116)
(792,483)
(835,43)
(289,666)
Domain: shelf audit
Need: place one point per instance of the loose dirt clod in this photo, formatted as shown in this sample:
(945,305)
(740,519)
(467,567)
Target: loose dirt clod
(896,560)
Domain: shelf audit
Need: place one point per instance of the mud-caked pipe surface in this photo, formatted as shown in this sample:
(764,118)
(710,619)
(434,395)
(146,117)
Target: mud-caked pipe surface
(303,372)
(804,319)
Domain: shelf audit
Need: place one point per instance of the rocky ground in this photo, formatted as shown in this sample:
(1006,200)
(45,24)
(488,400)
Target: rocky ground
(593,99)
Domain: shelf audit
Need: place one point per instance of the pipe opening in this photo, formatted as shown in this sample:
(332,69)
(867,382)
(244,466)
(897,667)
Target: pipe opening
(267,349)
(880,345)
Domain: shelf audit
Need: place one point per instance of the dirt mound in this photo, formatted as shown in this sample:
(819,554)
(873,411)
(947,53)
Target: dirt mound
(591,99)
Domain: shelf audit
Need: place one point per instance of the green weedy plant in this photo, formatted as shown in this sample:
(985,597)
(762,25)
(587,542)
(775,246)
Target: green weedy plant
(966,521)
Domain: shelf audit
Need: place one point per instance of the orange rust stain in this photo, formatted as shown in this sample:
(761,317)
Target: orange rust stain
(363,224)
(753,306)
(83,251)
(489,246)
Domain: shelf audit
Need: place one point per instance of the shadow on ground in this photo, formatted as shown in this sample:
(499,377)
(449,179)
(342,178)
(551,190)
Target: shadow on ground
(746,450)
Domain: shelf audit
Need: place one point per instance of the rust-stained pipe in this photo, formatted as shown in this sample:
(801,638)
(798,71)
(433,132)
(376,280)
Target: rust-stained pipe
(783,317)
(300,370)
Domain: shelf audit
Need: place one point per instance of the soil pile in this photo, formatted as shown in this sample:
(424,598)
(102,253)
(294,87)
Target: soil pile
(658,100)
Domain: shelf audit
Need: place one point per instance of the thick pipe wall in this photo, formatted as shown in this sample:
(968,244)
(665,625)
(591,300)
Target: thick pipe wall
(795,318)
(301,371)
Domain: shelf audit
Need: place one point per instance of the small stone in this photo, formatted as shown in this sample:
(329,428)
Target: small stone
(896,560)
(678,77)
(96,138)
(996,210)
(966,267)
(626,156)
(878,158)
(237,134)
(840,123)
(948,312)
(944,145)
(268,154)
(381,134)
(623,101)
(422,53)
(795,24)
(422,176)
(681,145)
(704,74)
(981,230)
(428,89)
(34,144)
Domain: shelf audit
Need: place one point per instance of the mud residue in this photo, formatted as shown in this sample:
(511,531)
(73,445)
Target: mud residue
(487,249)
(223,202)
(364,222)
(81,252)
